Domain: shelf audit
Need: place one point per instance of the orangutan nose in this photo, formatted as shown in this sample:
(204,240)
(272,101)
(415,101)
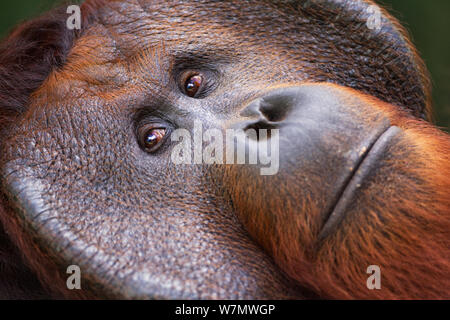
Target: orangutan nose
(272,108)
(322,136)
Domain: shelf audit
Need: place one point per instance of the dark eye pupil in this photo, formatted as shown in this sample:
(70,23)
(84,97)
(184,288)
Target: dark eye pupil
(193,84)
(153,137)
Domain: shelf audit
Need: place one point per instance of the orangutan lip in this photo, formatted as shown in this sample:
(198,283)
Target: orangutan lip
(367,163)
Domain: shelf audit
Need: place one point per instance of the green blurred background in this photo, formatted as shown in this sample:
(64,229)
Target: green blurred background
(427,21)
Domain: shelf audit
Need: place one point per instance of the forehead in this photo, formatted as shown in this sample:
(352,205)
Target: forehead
(135,44)
(276,41)
(190,25)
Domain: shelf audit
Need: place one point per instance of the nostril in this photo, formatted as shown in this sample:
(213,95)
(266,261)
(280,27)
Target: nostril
(276,108)
(268,113)
(255,130)
(271,108)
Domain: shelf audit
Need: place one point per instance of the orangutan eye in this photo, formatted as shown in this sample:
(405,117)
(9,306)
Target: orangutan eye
(151,137)
(193,85)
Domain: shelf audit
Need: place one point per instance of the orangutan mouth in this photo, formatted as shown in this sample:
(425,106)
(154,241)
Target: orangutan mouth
(367,163)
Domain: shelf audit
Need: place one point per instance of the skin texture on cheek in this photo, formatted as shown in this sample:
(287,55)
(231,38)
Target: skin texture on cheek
(82,150)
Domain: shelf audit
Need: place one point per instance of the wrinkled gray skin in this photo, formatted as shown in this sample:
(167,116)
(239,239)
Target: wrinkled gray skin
(86,193)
